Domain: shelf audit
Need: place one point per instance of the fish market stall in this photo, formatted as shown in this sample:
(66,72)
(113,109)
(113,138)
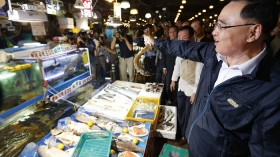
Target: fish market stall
(29,79)
(105,116)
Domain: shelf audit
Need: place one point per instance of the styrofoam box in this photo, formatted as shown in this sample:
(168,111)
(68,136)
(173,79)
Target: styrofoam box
(168,134)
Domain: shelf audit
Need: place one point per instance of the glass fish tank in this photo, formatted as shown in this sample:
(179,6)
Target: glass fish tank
(19,81)
(57,70)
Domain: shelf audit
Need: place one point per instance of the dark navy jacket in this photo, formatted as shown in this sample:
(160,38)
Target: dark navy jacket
(238,118)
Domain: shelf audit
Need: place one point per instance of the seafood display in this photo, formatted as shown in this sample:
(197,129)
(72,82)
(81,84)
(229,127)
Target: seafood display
(138,131)
(45,151)
(167,122)
(68,138)
(154,87)
(66,131)
(144,110)
(152,90)
(113,102)
(31,127)
(121,145)
(166,119)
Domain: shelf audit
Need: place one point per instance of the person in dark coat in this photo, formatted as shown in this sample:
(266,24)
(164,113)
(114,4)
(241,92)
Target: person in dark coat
(236,111)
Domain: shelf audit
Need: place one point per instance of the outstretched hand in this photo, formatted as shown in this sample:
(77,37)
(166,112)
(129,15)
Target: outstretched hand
(148,40)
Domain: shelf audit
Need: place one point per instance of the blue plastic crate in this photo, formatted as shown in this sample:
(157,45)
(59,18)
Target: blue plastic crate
(94,144)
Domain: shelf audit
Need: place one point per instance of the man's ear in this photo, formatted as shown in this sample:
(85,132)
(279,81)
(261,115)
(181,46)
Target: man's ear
(255,32)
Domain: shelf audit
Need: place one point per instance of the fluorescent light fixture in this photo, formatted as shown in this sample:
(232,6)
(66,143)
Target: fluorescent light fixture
(125,4)
(79,5)
(26,16)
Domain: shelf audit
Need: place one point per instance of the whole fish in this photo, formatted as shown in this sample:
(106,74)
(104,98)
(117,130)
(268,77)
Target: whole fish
(85,118)
(121,145)
(77,127)
(45,151)
(68,138)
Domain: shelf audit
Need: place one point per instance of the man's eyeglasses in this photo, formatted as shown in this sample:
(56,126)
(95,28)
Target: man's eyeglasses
(220,27)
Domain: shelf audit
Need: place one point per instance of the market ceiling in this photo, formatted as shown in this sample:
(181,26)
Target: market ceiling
(166,9)
(157,7)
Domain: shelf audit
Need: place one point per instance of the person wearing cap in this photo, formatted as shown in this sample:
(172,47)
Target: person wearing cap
(126,54)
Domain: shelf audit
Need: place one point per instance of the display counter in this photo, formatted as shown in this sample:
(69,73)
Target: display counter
(128,136)
(28,81)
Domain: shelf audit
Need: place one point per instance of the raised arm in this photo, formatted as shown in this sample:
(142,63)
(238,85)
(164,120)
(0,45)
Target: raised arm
(196,51)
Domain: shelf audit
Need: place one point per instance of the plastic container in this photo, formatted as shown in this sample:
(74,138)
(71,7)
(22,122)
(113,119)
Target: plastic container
(170,150)
(94,144)
(134,112)
(165,133)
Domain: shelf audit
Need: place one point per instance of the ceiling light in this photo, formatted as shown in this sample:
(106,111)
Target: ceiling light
(133,11)
(110,1)
(159,16)
(184,1)
(164,9)
(148,15)
(203,20)
(157,12)
(179,10)
(181,7)
(215,15)
(125,4)
(199,13)
(211,7)
(196,16)
(79,5)
(204,10)
(210,17)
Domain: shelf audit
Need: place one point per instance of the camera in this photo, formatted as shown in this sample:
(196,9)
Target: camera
(122,30)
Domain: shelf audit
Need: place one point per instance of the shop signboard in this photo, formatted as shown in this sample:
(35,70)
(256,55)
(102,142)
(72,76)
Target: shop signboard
(54,7)
(87,11)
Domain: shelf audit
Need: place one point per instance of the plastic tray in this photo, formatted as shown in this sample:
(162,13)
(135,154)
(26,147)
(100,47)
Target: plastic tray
(94,144)
(133,111)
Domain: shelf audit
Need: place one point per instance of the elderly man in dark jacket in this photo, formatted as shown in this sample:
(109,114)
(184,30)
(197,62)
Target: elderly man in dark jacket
(237,109)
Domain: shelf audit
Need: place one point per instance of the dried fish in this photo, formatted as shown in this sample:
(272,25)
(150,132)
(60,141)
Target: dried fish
(128,137)
(68,138)
(78,128)
(84,118)
(45,151)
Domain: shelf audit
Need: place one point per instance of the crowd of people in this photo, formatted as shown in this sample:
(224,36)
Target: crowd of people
(223,84)
(236,107)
